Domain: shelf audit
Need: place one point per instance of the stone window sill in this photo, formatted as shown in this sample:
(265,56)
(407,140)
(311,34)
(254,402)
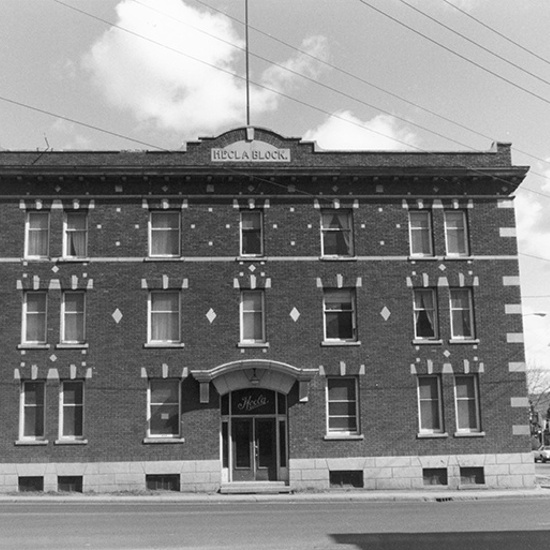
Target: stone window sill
(434,435)
(469,434)
(33,346)
(340,343)
(253,345)
(31,442)
(162,345)
(163,259)
(344,437)
(423,342)
(70,442)
(338,258)
(71,346)
(163,441)
(465,341)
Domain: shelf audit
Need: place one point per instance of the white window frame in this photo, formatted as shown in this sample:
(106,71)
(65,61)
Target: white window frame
(68,231)
(153,230)
(64,323)
(25,314)
(470,310)
(427,214)
(24,407)
(63,406)
(352,311)
(336,431)
(474,399)
(328,230)
(150,301)
(418,311)
(243,313)
(28,231)
(439,398)
(243,231)
(150,404)
(463,228)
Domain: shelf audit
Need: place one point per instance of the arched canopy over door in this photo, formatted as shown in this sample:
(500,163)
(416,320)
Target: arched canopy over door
(250,373)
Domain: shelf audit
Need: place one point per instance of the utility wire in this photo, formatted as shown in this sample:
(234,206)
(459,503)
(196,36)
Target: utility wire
(496,32)
(464,37)
(451,51)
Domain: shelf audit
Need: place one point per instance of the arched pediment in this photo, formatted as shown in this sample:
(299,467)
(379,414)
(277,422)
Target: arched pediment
(249,373)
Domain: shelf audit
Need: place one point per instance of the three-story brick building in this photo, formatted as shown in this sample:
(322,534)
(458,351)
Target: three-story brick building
(253,309)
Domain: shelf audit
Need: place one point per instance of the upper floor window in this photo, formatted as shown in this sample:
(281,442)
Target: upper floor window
(34,317)
(336,233)
(163,419)
(164,234)
(342,404)
(73,314)
(75,235)
(252,233)
(164,317)
(339,315)
(420,231)
(456,234)
(430,408)
(467,403)
(425,314)
(462,314)
(37,231)
(253,317)
(32,410)
(71,410)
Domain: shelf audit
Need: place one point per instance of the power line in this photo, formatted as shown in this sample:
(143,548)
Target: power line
(450,50)
(496,32)
(464,37)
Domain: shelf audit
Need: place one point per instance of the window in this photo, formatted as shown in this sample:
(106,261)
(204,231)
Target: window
(253,317)
(429,404)
(73,328)
(425,314)
(164,409)
(467,403)
(37,235)
(32,411)
(456,236)
(164,317)
(71,414)
(339,316)
(252,233)
(164,234)
(75,235)
(462,314)
(34,318)
(420,228)
(336,233)
(342,405)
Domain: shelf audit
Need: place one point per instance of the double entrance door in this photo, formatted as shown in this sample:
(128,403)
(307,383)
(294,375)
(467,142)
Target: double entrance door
(254,435)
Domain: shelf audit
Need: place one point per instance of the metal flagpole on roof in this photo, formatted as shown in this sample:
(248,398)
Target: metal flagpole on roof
(246,64)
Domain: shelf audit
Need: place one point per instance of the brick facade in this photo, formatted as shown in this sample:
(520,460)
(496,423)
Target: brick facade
(119,190)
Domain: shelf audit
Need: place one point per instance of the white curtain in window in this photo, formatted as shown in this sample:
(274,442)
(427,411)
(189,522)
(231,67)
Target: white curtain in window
(165,317)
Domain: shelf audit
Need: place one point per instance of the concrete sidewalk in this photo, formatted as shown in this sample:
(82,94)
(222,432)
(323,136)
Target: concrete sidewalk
(427,495)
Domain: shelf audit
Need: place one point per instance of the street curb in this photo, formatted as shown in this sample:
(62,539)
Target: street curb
(332,497)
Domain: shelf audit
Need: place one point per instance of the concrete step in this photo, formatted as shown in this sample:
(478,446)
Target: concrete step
(254,487)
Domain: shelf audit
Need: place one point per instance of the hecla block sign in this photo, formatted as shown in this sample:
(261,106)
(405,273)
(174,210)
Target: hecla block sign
(250,151)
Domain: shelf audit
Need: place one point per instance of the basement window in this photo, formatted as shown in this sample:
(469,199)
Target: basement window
(31,484)
(346,479)
(434,476)
(163,482)
(472,476)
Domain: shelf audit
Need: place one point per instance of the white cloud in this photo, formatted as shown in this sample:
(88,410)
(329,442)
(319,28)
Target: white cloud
(345,131)
(182,79)
(533,225)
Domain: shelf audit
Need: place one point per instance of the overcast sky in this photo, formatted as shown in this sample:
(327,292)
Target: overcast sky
(367,74)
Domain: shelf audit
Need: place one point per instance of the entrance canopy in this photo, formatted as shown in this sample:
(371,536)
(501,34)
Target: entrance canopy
(251,373)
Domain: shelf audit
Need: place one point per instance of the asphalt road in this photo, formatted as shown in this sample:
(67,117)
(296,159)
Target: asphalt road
(477,525)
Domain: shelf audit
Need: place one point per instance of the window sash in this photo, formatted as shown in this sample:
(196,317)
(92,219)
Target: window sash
(164,409)
(252,233)
(339,315)
(462,314)
(420,229)
(72,410)
(342,405)
(164,317)
(37,234)
(430,411)
(253,316)
(76,235)
(73,329)
(32,410)
(35,318)
(164,234)
(336,233)
(467,403)
(456,235)
(425,314)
